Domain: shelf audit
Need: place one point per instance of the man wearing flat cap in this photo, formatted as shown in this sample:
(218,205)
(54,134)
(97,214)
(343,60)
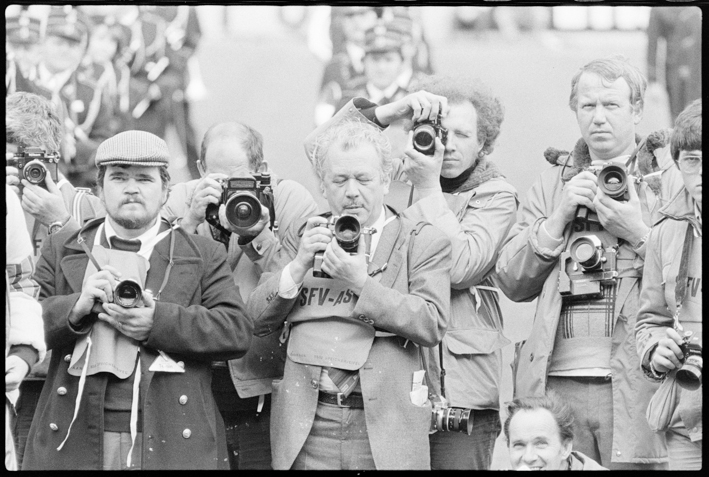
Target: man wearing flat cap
(135,310)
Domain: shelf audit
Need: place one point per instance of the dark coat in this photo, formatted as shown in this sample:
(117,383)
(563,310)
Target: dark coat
(199,318)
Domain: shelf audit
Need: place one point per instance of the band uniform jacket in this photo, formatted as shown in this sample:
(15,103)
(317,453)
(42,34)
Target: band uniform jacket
(409,298)
(198,318)
(527,271)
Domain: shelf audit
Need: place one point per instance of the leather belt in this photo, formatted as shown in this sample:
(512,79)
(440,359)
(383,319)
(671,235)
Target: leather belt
(354,400)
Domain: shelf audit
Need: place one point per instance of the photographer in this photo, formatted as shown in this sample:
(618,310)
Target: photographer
(345,400)
(31,121)
(585,274)
(671,298)
(129,383)
(242,387)
(461,192)
(24,332)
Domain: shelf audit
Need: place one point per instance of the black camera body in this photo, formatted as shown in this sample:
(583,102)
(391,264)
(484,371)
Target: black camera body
(127,293)
(586,265)
(33,164)
(242,197)
(425,133)
(451,419)
(689,376)
(613,181)
(346,229)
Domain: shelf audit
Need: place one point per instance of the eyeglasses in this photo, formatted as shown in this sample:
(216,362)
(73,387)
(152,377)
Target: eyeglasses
(690,164)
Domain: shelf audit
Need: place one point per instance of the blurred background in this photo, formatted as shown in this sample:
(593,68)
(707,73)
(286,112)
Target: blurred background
(264,66)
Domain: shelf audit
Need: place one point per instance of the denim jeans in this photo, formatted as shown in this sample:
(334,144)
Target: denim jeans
(338,440)
(460,451)
(248,435)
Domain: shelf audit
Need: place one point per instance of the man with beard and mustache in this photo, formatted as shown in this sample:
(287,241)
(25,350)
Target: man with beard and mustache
(129,380)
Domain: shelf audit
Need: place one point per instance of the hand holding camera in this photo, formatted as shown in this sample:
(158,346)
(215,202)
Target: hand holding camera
(424,170)
(349,266)
(621,218)
(248,232)
(579,191)
(45,203)
(135,322)
(315,238)
(418,106)
(97,289)
(208,191)
(681,352)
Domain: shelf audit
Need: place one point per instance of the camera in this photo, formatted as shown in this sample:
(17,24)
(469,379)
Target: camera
(127,293)
(613,181)
(425,134)
(689,376)
(586,265)
(33,164)
(454,419)
(346,229)
(242,198)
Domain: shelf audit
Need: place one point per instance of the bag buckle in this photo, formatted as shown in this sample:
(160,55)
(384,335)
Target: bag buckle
(340,397)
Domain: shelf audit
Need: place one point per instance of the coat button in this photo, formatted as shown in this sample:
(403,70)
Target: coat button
(314,383)
(54,427)
(181,364)
(183,399)
(363,318)
(186,433)
(694,429)
(61,391)
(617,453)
(67,358)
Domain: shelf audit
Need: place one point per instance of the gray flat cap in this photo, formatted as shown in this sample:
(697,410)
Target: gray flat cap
(133,148)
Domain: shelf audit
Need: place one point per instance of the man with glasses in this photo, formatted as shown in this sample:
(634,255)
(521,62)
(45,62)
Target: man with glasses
(671,299)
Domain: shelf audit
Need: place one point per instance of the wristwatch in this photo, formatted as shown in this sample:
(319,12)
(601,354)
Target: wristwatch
(57,226)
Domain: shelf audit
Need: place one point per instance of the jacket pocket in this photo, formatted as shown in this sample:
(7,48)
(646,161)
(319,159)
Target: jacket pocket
(475,341)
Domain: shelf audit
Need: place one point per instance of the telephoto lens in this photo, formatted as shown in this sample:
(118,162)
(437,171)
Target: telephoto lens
(689,376)
(347,231)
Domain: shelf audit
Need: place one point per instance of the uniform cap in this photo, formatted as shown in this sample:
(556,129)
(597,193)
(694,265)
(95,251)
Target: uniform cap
(133,148)
(22,28)
(383,37)
(67,22)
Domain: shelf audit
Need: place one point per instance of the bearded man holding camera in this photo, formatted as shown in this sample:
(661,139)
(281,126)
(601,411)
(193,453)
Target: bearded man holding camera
(135,310)
(579,250)
(352,395)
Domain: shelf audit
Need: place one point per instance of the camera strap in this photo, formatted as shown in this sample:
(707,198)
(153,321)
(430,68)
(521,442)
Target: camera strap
(681,284)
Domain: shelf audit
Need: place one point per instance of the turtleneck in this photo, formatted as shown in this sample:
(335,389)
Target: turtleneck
(452,184)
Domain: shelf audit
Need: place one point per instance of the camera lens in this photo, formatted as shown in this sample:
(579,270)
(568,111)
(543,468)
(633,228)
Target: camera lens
(424,137)
(689,376)
(587,251)
(243,210)
(35,172)
(613,181)
(347,232)
(127,293)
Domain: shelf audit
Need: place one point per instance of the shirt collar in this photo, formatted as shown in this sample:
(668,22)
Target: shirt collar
(146,238)
(376,94)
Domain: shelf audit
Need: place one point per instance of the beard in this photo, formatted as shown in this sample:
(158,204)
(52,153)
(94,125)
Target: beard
(133,223)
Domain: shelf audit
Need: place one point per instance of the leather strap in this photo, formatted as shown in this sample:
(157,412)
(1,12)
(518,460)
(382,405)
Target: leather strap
(354,400)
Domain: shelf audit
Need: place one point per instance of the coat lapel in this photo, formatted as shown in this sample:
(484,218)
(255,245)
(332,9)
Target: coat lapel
(389,241)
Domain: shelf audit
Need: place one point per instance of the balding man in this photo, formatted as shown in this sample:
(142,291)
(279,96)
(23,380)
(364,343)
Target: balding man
(242,387)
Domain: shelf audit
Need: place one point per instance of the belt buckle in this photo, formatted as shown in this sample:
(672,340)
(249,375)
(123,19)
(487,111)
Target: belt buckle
(339,399)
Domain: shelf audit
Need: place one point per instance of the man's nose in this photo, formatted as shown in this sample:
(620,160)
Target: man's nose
(352,188)
(599,114)
(530,455)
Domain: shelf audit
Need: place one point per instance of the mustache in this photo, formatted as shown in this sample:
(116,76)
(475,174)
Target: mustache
(132,200)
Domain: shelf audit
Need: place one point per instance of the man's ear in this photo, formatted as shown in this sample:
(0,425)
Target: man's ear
(638,110)
(568,447)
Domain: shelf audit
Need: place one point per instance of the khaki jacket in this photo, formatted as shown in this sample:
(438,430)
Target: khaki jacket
(657,301)
(528,271)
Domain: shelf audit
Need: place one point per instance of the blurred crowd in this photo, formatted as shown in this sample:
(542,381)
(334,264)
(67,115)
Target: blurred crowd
(108,69)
